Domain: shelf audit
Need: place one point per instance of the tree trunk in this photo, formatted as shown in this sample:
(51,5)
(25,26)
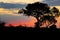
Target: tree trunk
(37,24)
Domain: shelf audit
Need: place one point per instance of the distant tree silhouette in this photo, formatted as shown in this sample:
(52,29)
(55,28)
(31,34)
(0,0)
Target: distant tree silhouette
(37,10)
(2,25)
(11,25)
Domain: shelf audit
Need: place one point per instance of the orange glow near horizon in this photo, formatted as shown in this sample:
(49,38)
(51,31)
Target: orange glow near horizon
(22,22)
(28,24)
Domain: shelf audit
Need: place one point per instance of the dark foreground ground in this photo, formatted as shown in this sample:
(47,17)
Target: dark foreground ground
(24,29)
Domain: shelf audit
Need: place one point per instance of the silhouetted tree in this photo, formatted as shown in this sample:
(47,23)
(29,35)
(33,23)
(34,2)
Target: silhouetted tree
(37,10)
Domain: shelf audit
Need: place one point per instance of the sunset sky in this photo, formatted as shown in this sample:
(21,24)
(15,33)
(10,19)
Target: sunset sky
(9,11)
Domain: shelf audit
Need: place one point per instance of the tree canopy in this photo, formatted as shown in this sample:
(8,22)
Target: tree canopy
(38,10)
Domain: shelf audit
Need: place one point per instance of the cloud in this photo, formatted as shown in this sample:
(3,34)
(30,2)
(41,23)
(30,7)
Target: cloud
(11,5)
(20,1)
(53,2)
